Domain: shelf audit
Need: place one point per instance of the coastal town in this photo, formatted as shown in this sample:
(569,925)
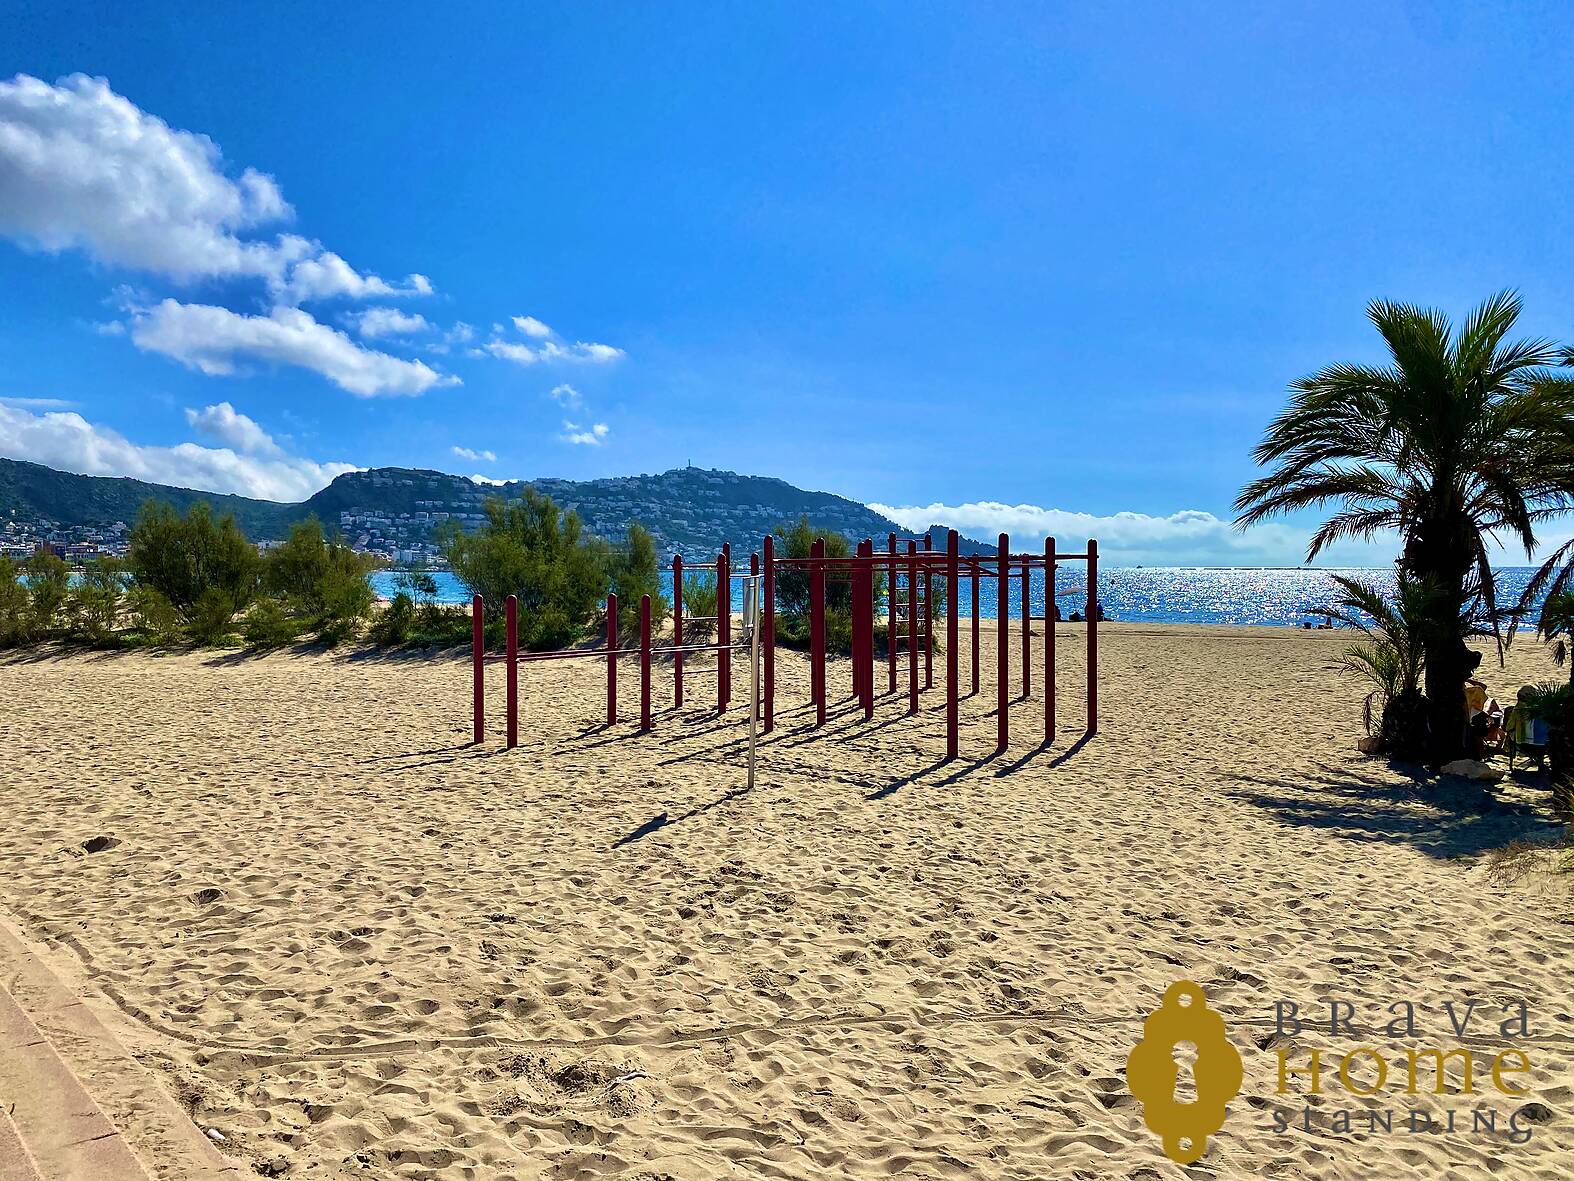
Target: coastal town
(398,514)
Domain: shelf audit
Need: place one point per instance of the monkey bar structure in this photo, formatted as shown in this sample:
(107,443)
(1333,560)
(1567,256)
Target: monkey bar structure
(915,581)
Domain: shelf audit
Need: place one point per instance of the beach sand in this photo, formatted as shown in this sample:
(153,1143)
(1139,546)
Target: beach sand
(338,934)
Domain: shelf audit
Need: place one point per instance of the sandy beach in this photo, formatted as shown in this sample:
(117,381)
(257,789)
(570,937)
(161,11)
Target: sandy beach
(336,933)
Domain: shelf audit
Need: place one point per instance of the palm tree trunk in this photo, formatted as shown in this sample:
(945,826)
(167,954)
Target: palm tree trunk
(1447,667)
(1437,553)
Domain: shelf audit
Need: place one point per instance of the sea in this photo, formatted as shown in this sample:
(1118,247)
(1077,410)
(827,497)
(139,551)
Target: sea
(1271,597)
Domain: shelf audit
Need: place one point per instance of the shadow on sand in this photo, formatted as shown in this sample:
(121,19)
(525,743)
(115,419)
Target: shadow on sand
(1443,817)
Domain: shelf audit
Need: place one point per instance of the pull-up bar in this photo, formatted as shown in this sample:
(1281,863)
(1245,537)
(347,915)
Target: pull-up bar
(914,572)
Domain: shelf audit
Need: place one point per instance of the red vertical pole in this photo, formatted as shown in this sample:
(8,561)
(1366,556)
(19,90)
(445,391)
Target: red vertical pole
(890,616)
(724,627)
(973,568)
(644,662)
(677,629)
(612,658)
(478,667)
(817,629)
(865,576)
(1027,632)
(912,627)
(929,618)
(863,638)
(855,599)
(1002,644)
(512,617)
(768,636)
(1093,636)
(1049,640)
(953,588)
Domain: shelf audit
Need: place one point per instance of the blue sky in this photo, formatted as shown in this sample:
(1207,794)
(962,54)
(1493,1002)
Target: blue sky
(1031,267)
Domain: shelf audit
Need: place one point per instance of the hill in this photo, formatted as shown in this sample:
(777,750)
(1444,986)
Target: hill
(395,511)
(31,492)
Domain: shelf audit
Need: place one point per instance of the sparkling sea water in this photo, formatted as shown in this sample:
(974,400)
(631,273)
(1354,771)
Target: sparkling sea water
(1276,597)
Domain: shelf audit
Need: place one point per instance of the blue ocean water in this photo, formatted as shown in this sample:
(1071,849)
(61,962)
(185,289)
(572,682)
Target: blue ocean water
(1152,594)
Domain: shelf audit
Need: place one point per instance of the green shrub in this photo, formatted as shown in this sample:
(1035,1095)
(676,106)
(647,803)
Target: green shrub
(269,625)
(16,606)
(211,619)
(793,594)
(345,599)
(321,581)
(528,548)
(48,588)
(395,623)
(792,582)
(699,600)
(153,616)
(93,603)
(633,572)
(206,570)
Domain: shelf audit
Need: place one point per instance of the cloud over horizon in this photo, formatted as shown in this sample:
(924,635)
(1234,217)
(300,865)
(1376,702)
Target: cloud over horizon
(1190,537)
(254,465)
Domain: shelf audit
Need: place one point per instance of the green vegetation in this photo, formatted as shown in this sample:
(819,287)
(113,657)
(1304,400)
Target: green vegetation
(48,582)
(1462,437)
(414,617)
(193,577)
(632,572)
(93,603)
(190,578)
(1556,627)
(318,584)
(1393,660)
(792,593)
(531,549)
(205,569)
(16,606)
(699,607)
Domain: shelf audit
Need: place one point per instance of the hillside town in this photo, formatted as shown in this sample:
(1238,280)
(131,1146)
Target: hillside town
(397,514)
(19,539)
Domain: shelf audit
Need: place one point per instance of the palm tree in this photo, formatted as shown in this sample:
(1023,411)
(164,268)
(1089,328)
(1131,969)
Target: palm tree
(1393,661)
(1461,439)
(1556,626)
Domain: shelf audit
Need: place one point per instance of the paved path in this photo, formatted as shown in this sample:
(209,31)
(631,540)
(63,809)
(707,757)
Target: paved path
(70,1094)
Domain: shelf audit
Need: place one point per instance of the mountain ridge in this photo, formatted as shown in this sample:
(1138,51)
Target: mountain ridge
(395,511)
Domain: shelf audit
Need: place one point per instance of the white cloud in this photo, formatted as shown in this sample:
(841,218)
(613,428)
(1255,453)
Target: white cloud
(566,396)
(36,403)
(1187,538)
(489,481)
(460,333)
(70,442)
(213,339)
(327,276)
(549,349)
(374,322)
(110,328)
(585,437)
(222,422)
(82,167)
(579,352)
(467,453)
